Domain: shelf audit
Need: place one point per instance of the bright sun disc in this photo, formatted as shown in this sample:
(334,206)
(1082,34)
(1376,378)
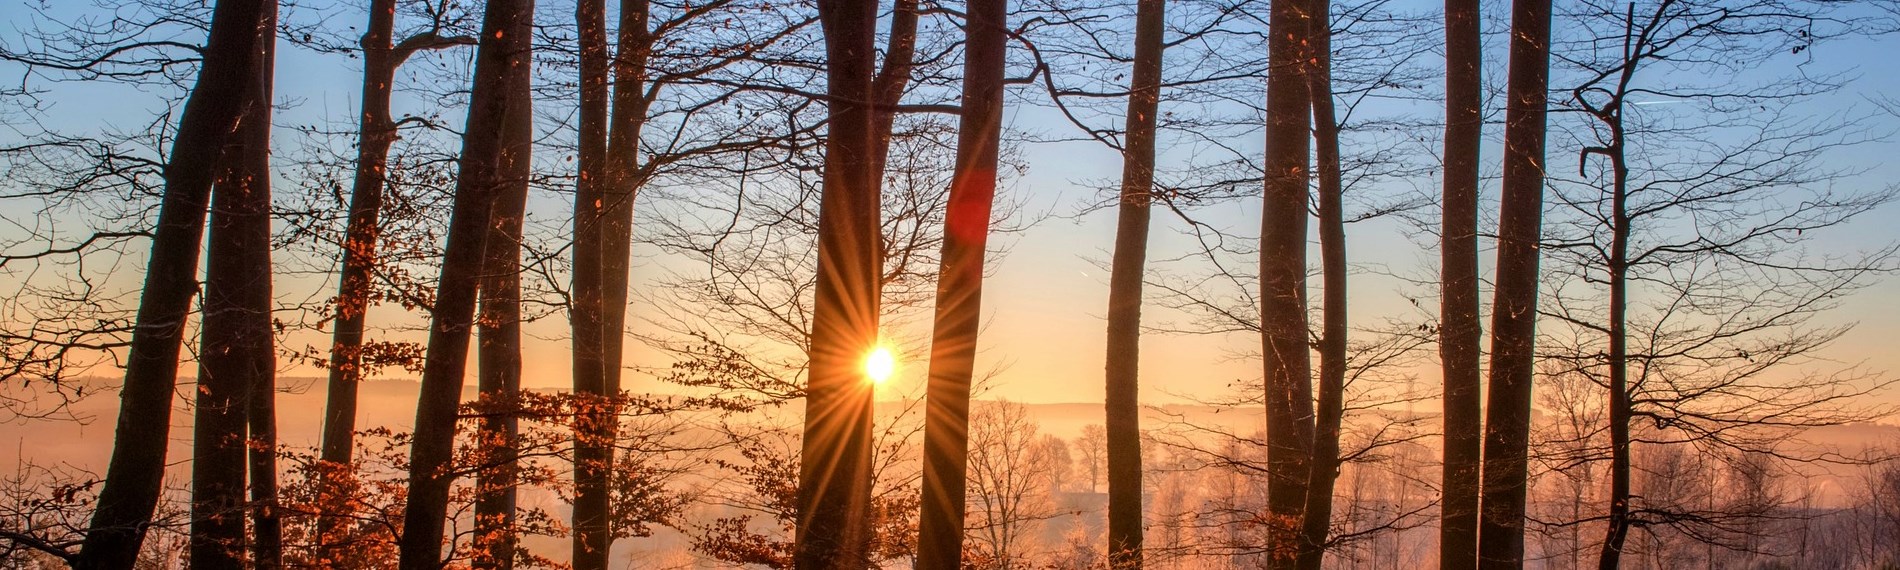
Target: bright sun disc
(879,365)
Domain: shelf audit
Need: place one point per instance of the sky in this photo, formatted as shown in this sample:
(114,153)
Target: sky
(1046,298)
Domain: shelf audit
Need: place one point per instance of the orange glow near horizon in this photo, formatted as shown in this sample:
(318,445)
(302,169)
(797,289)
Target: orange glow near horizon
(880,364)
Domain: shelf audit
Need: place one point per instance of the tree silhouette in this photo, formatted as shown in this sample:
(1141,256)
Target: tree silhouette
(227,87)
(1514,302)
(376,132)
(237,370)
(960,289)
(1283,326)
(1459,329)
(481,183)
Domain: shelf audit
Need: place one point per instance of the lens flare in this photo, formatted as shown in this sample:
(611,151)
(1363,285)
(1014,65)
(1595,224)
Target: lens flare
(880,364)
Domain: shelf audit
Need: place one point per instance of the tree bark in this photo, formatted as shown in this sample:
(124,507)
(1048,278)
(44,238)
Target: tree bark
(377,133)
(225,90)
(498,351)
(624,175)
(236,354)
(834,484)
(960,288)
(505,46)
(250,241)
(591,500)
(1283,326)
(1126,270)
(1460,332)
(1514,306)
(888,88)
(1324,470)
(616,140)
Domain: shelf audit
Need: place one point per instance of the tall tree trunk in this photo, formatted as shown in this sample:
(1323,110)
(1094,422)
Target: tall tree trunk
(1283,327)
(498,352)
(960,289)
(1620,415)
(225,90)
(1514,306)
(616,153)
(1610,114)
(1123,368)
(1324,470)
(236,349)
(1460,333)
(624,175)
(591,499)
(834,483)
(377,133)
(504,48)
(250,241)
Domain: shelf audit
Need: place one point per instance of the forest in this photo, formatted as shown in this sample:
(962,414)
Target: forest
(947,285)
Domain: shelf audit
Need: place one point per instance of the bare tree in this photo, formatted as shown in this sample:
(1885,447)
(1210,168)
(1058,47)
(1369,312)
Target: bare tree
(668,122)
(238,365)
(227,87)
(1093,447)
(960,289)
(481,183)
(1283,326)
(498,352)
(1376,443)
(768,489)
(588,307)
(1514,304)
(834,491)
(376,132)
(1123,436)
(1317,515)
(1566,449)
(1713,307)
(1010,486)
(1460,334)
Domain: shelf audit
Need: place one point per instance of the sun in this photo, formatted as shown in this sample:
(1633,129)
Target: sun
(880,364)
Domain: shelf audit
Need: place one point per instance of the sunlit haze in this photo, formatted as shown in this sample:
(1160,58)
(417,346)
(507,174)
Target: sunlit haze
(673,297)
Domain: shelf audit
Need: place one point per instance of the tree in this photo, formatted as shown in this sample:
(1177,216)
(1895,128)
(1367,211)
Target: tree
(1123,435)
(1566,449)
(1367,73)
(504,47)
(768,490)
(1680,272)
(376,133)
(1011,483)
(1378,446)
(835,465)
(680,94)
(743,328)
(225,90)
(960,288)
(1879,501)
(1093,446)
(1514,301)
(1459,329)
(238,365)
(1317,515)
(499,324)
(1283,326)
(588,304)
